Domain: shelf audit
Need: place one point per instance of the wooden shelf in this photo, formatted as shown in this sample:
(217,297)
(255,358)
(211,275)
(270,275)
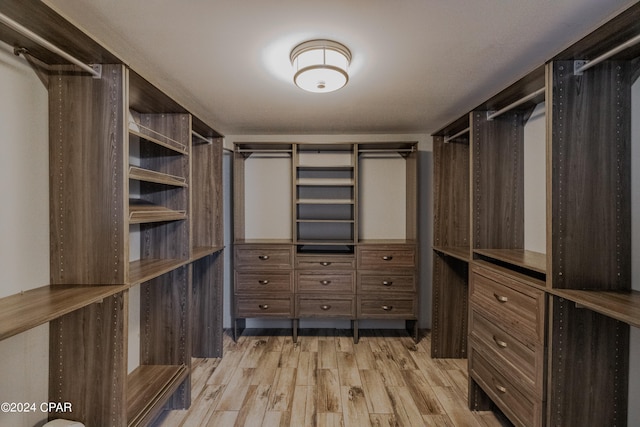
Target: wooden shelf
(619,305)
(203,251)
(325,242)
(337,167)
(325,182)
(149,387)
(534,261)
(146,269)
(147,175)
(165,142)
(142,212)
(325,201)
(347,221)
(462,254)
(21,312)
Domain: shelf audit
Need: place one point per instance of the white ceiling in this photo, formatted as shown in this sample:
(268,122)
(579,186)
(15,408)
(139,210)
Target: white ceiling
(417,64)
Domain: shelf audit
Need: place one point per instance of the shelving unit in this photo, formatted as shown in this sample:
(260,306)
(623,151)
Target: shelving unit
(134,202)
(580,283)
(313,250)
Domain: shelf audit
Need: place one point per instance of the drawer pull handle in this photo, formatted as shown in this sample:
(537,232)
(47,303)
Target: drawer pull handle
(325,263)
(500,388)
(499,342)
(387,258)
(263,282)
(500,298)
(325,282)
(263,257)
(387,282)
(387,307)
(325,307)
(263,306)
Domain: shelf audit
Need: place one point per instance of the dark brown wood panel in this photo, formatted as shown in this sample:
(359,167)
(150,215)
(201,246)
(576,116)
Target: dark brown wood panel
(86,178)
(451,192)
(588,363)
(498,180)
(591,195)
(450,305)
(206,194)
(87,362)
(207,288)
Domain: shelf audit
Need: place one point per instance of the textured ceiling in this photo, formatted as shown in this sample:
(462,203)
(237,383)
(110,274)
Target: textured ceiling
(417,64)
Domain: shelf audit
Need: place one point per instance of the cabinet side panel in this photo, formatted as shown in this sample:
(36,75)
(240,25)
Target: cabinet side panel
(206,194)
(498,183)
(87,363)
(588,367)
(207,306)
(87,185)
(591,177)
(450,302)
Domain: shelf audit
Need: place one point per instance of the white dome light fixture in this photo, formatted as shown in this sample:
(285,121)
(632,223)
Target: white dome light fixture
(320,65)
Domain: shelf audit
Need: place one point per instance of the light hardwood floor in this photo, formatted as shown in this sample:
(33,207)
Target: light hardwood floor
(325,380)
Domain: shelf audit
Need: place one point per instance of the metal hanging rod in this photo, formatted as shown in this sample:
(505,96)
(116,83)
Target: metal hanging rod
(515,104)
(462,132)
(95,71)
(588,64)
(200,137)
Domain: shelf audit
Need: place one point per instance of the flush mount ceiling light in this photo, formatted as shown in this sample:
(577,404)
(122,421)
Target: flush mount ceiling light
(320,65)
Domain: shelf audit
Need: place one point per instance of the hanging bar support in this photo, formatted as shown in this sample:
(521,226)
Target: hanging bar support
(452,137)
(588,64)
(95,70)
(515,104)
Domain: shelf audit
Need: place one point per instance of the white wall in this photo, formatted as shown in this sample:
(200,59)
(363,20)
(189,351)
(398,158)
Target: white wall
(425,148)
(24,227)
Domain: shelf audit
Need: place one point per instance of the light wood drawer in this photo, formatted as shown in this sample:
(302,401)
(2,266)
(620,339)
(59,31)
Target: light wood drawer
(325,262)
(264,282)
(264,257)
(264,306)
(515,306)
(386,258)
(385,307)
(312,306)
(521,407)
(386,283)
(327,283)
(521,363)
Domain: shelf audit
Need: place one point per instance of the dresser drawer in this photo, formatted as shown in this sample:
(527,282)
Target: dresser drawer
(327,283)
(386,258)
(315,306)
(384,307)
(521,407)
(516,306)
(267,281)
(386,283)
(264,306)
(524,364)
(264,257)
(325,262)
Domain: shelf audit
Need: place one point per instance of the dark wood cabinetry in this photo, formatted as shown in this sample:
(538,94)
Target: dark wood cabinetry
(548,331)
(313,256)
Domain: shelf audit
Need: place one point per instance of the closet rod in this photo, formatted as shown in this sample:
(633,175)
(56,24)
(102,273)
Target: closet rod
(515,104)
(46,44)
(608,54)
(200,137)
(462,132)
(386,150)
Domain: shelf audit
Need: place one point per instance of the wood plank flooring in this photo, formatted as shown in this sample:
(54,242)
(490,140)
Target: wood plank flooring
(324,379)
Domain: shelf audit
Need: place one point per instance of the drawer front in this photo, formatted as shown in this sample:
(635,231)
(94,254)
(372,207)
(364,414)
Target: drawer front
(264,257)
(518,307)
(386,283)
(521,408)
(524,364)
(327,283)
(310,306)
(385,259)
(267,281)
(264,306)
(384,307)
(328,262)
